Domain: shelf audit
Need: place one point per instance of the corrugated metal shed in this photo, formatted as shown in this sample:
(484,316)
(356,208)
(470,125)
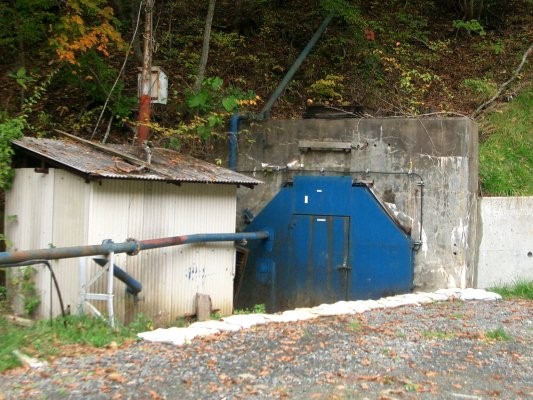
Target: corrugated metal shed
(97,161)
(84,193)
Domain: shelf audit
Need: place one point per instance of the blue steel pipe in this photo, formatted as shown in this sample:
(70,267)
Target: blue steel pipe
(232,140)
(265,112)
(132,284)
(131,246)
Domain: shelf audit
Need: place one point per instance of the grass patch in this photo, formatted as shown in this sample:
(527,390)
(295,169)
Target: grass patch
(498,334)
(521,289)
(355,325)
(256,309)
(45,339)
(505,157)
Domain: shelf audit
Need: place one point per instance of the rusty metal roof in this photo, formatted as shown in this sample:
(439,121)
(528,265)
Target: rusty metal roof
(113,161)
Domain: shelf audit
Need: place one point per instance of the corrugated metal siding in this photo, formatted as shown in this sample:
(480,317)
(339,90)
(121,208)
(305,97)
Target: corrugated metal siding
(170,276)
(69,229)
(59,208)
(28,224)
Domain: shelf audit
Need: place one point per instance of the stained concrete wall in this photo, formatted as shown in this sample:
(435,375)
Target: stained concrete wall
(438,199)
(506,240)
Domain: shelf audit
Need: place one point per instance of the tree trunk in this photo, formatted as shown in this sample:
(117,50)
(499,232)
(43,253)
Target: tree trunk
(137,51)
(205,47)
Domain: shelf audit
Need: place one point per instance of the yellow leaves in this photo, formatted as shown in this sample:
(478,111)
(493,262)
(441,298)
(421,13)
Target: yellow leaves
(77,35)
(249,102)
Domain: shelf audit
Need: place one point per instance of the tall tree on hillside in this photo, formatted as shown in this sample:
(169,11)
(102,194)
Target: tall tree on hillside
(205,46)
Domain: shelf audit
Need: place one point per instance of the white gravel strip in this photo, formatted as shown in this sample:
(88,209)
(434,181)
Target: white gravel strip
(180,336)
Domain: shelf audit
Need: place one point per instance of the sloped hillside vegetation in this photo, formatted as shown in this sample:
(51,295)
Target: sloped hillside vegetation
(73,65)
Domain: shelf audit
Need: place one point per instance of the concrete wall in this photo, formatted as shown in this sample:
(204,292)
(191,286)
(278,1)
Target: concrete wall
(442,152)
(506,245)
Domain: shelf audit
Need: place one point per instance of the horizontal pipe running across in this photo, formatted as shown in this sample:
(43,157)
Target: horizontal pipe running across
(131,246)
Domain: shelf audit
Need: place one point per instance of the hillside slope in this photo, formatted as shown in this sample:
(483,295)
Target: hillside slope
(388,57)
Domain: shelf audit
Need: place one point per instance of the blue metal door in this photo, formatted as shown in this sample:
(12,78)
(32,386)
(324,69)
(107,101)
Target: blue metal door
(320,257)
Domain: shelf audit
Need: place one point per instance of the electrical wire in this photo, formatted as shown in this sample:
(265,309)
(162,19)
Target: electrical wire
(54,279)
(121,69)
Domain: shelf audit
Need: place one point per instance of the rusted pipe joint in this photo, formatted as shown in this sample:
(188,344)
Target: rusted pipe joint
(137,249)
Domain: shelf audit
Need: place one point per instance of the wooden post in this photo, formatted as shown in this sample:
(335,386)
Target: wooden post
(203,307)
(143,131)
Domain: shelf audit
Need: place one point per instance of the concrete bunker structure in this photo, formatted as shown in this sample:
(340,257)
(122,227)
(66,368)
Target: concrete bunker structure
(422,170)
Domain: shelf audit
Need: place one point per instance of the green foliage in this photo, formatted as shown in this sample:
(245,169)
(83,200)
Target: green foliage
(256,309)
(472,26)
(10,129)
(229,41)
(355,325)
(328,89)
(498,334)
(23,282)
(21,77)
(480,89)
(413,26)
(344,9)
(4,303)
(212,104)
(46,338)
(25,24)
(437,335)
(496,48)
(13,127)
(415,84)
(94,77)
(521,289)
(505,157)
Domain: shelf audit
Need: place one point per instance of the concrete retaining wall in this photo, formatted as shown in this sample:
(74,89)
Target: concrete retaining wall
(506,240)
(442,152)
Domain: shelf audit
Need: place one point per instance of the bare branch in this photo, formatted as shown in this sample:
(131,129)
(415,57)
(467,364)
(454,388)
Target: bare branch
(505,84)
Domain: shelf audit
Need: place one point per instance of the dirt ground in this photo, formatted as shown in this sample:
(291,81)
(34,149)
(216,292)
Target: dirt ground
(447,350)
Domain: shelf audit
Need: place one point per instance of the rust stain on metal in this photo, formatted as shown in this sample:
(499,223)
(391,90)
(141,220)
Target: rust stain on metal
(166,165)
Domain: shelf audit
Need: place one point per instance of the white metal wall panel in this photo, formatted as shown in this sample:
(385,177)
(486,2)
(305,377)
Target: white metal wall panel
(28,221)
(170,276)
(60,209)
(69,229)
(110,202)
(188,269)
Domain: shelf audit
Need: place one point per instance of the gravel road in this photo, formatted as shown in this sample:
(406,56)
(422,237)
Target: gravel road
(442,350)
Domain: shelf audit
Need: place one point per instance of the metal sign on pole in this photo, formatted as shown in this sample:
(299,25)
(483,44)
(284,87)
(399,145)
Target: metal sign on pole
(143,132)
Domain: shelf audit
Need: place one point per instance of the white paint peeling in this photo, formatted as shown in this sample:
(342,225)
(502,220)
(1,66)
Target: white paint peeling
(445,162)
(424,246)
(463,276)
(459,235)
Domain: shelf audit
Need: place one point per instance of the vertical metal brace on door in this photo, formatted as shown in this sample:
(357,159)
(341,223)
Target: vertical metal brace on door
(86,297)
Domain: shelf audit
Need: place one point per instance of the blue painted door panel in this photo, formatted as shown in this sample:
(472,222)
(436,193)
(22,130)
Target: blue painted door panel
(320,258)
(331,240)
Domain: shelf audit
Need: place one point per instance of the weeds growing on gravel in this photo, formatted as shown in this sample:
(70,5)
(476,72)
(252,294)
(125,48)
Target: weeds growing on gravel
(521,289)
(45,338)
(498,334)
(355,325)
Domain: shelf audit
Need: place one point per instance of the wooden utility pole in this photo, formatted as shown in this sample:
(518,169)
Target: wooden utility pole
(143,131)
